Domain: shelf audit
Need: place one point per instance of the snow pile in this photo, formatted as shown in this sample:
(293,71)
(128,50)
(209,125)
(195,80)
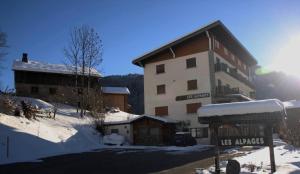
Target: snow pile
(292,104)
(35,66)
(28,140)
(239,108)
(118,117)
(39,104)
(113,139)
(287,160)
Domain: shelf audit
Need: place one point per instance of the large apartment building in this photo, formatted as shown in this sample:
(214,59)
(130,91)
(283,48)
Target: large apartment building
(206,66)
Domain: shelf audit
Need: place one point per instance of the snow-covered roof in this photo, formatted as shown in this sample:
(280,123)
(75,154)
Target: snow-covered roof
(292,104)
(121,117)
(240,108)
(36,66)
(115,90)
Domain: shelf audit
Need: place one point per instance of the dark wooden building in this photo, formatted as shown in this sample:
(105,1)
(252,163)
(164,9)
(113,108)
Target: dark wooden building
(51,82)
(116,97)
(152,131)
(143,129)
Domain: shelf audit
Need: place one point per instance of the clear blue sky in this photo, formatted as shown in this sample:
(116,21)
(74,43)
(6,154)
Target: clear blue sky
(130,28)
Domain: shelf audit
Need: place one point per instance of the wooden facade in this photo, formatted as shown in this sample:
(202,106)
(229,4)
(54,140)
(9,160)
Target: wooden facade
(116,100)
(147,131)
(53,87)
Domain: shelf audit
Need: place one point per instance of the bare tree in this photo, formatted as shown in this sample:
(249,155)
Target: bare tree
(84,54)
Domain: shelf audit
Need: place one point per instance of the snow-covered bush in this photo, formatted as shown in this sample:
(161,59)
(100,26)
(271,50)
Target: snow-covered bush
(28,110)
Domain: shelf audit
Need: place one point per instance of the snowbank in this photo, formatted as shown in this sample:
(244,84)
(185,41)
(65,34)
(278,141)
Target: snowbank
(286,159)
(33,139)
(39,104)
(239,108)
(113,139)
(120,117)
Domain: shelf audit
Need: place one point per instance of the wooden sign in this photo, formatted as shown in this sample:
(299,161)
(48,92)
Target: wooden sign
(242,141)
(192,96)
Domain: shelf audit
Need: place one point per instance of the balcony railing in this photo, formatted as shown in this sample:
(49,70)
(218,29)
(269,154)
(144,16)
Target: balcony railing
(225,90)
(233,73)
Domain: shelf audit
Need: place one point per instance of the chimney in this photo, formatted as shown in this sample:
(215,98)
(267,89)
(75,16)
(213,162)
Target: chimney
(25,58)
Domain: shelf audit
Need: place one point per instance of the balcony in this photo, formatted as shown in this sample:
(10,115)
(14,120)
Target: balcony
(233,73)
(225,90)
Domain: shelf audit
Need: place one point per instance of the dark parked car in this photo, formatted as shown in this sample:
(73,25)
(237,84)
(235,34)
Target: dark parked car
(184,139)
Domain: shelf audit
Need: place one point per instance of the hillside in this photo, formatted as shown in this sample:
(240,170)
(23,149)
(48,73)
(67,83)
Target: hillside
(277,85)
(32,139)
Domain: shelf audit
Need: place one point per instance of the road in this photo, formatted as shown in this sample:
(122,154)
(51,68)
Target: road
(114,161)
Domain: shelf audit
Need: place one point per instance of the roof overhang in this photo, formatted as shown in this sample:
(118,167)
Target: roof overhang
(218,29)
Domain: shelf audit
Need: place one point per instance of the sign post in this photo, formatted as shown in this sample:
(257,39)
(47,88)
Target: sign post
(271,148)
(242,124)
(257,134)
(217,150)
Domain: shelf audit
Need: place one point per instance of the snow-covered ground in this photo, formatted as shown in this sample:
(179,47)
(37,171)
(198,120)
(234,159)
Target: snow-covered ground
(33,139)
(29,140)
(287,159)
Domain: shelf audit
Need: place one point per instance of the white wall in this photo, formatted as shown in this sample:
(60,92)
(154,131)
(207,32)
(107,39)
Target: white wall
(175,78)
(124,129)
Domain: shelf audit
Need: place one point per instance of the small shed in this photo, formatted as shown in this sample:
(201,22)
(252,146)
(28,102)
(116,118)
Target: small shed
(242,124)
(153,130)
(141,129)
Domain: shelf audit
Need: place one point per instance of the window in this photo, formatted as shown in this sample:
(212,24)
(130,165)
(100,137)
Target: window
(192,84)
(192,107)
(190,63)
(225,51)
(217,44)
(160,68)
(161,89)
(34,90)
(161,111)
(52,91)
(116,131)
(199,132)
